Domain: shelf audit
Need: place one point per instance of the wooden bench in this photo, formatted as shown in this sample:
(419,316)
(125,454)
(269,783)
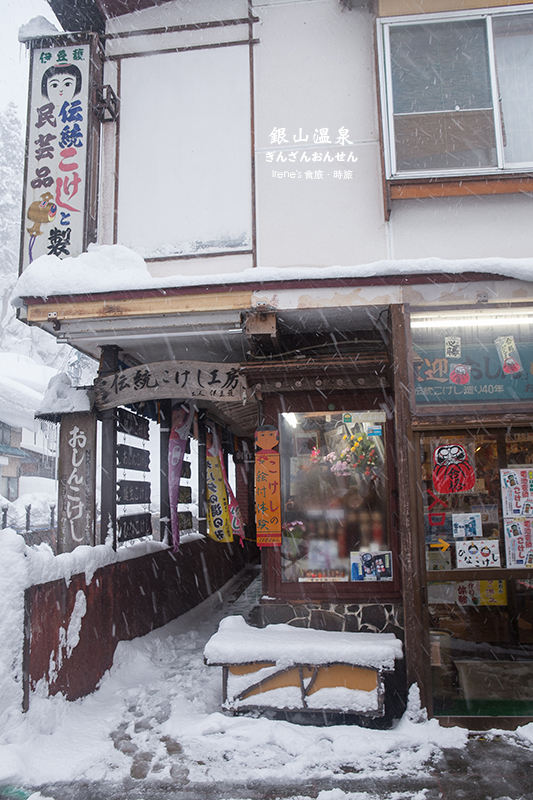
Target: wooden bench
(288,668)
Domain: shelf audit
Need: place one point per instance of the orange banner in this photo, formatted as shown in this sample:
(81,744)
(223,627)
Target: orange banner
(267,490)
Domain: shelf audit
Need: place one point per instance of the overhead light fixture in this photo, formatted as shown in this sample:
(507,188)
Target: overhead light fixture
(478,319)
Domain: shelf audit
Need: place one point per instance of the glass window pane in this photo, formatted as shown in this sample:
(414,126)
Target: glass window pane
(481,646)
(513,42)
(443,114)
(334,495)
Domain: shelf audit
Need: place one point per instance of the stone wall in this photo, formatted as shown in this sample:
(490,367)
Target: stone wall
(353,617)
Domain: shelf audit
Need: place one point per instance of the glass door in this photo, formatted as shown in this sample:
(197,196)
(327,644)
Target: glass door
(477,492)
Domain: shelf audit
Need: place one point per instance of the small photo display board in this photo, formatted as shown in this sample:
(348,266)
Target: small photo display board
(371,566)
(467,526)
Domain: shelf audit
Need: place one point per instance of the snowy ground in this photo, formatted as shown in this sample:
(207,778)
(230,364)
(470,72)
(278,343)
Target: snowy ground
(155,722)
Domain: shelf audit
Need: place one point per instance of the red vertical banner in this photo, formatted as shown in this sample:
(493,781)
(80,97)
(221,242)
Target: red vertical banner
(267,489)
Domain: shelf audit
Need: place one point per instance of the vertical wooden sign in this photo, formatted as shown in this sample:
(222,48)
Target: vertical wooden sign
(77,463)
(267,489)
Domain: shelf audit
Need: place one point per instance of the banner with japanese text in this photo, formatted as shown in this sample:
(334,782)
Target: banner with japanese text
(54,199)
(218,515)
(267,489)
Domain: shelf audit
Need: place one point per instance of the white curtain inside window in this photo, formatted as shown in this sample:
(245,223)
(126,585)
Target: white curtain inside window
(513,42)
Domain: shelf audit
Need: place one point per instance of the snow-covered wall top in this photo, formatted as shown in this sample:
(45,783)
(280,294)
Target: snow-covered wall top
(238,643)
(112,268)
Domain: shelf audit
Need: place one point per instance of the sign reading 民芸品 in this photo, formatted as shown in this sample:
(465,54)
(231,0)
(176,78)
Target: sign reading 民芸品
(54,210)
(186,380)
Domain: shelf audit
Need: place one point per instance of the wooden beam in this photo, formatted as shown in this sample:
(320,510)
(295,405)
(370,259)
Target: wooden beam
(390,8)
(413,567)
(465,187)
(141,307)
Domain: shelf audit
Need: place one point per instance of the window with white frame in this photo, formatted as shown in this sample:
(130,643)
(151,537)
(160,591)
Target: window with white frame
(458,93)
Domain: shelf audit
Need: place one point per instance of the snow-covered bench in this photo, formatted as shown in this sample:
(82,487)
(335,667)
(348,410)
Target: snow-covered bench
(289,668)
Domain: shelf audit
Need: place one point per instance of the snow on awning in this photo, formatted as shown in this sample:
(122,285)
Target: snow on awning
(115,268)
(239,643)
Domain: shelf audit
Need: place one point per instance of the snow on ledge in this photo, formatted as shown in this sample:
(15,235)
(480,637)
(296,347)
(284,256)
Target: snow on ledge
(37,27)
(63,398)
(238,643)
(111,268)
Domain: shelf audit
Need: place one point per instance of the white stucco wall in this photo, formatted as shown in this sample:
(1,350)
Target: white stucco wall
(314,68)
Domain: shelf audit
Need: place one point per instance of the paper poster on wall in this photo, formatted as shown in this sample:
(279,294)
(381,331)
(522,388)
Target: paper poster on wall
(517,492)
(481,593)
(518,533)
(478,553)
(466,526)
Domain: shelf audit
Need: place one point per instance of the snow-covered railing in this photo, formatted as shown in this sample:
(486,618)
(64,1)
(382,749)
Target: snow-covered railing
(289,668)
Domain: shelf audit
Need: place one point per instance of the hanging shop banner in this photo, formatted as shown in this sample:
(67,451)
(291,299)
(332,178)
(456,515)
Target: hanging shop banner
(267,489)
(57,152)
(237,524)
(218,513)
(181,421)
(77,462)
(180,379)
(496,372)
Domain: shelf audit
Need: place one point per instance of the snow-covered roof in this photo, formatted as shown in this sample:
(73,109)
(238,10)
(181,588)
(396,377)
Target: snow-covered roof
(112,268)
(238,643)
(22,384)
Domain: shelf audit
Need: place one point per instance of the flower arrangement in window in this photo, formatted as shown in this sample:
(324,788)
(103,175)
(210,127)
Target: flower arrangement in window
(360,455)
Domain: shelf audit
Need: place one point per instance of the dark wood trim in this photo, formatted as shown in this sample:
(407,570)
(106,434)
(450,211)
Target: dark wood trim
(194,26)
(165,416)
(165,50)
(459,187)
(108,500)
(273,285)
(488,574)
(333,592)
(202,472)
(26,651)
(156,259)
(412,564)
(474,416)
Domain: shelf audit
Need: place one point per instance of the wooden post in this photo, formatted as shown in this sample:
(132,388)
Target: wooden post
(413,564)
(108,524)
(165,416)
(202,473)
